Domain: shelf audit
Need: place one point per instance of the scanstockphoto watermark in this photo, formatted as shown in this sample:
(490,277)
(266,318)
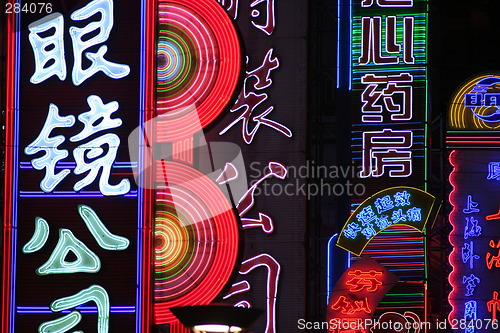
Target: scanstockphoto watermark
(365,325)
(309,180)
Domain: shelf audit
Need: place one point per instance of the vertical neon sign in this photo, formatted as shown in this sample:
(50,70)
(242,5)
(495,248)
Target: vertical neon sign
(73,214)
(383,62)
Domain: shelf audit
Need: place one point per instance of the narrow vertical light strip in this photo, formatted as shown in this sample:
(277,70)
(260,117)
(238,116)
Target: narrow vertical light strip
(339,44)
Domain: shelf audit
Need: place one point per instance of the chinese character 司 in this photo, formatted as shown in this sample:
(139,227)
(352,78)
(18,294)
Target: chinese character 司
(372,43)
(87,262)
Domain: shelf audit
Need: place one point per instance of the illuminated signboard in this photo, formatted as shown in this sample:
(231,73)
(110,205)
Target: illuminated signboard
(389,85)
(73,213)
(475,238)
(357,294)
(395,206)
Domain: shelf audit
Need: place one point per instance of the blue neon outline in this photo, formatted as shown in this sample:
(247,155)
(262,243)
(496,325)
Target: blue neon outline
(329,273)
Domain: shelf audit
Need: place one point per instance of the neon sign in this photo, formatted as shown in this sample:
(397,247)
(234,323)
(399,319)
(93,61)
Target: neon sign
(72,208)
(267,26)
(101,165)
(196,230)
(358,292)
(399,205)
(56,43)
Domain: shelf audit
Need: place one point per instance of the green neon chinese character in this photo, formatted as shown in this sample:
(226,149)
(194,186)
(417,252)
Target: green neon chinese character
(94,293)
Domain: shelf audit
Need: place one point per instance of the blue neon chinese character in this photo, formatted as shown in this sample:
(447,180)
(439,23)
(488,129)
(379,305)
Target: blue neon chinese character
(471,206)
(472,228)
(398,216)
(368,231)
(493,171)
(402,199)
(383,222)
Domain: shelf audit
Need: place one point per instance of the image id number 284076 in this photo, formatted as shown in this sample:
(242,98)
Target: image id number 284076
(31,7)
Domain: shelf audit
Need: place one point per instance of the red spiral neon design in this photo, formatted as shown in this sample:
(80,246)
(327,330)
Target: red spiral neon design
(197,240)
(199,62)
